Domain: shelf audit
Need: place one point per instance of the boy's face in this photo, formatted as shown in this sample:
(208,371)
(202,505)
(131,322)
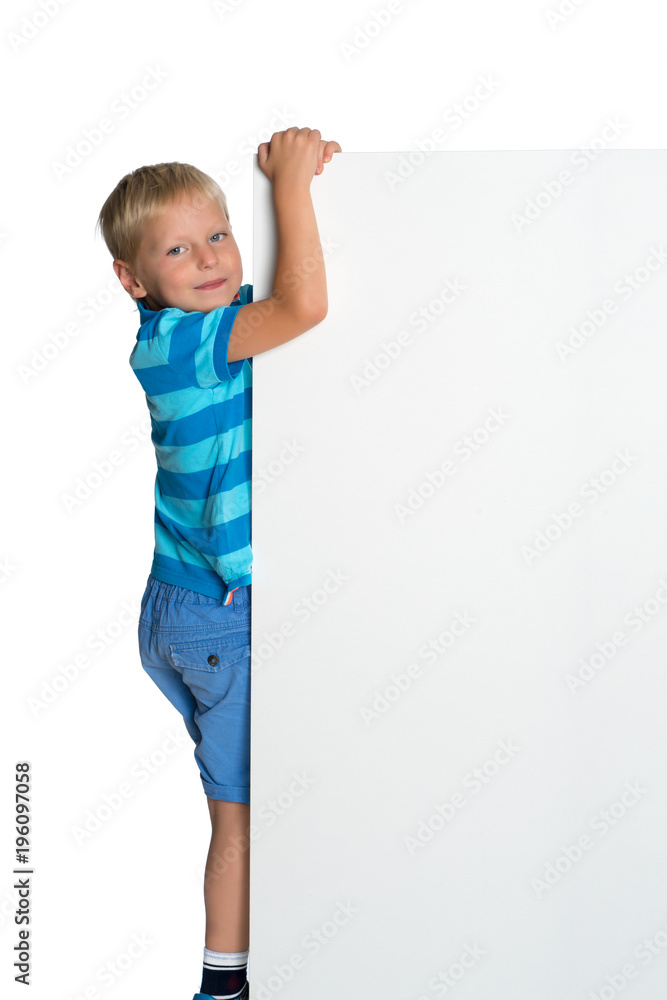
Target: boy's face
(187,258)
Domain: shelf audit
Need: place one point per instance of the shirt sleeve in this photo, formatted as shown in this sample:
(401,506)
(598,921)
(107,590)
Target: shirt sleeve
(226,369)
(195,345)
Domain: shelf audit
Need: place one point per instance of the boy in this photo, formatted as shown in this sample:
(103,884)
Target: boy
(167,228)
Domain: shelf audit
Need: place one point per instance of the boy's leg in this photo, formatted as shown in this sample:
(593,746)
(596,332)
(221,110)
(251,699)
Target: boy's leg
(227,877)
(198,652)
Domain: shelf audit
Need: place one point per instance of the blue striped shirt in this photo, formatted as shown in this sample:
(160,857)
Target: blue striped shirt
(201,417)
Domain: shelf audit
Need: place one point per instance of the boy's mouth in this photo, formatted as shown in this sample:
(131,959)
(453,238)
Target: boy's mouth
(211,284)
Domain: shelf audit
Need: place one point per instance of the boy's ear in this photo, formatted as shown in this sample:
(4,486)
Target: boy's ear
(129,280)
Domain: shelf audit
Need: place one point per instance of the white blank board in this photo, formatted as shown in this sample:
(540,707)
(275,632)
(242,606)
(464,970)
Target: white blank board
(460,586)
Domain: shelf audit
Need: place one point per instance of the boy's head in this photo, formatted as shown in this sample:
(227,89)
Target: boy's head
(167,228)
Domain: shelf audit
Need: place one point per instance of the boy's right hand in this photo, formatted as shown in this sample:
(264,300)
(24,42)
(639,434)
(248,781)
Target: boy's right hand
(295,156)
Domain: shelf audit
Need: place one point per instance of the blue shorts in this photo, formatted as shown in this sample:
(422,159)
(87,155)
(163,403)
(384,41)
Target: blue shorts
(197,650)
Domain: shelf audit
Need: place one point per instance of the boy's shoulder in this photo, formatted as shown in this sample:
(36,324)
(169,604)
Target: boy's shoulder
(183,341)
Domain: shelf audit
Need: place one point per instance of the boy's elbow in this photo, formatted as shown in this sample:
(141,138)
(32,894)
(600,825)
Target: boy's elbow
(316,312)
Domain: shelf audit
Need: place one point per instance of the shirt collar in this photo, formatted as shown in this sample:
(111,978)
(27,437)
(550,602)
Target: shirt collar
(145,314)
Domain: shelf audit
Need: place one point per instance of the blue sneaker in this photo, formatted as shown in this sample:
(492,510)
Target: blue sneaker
(243,995)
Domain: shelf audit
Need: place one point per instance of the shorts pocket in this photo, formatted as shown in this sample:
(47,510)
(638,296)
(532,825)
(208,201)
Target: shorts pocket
(145,612)
(212,654)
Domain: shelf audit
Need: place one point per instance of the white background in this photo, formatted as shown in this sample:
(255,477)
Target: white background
(224,78)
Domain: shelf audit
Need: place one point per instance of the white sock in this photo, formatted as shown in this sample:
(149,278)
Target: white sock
(224,974)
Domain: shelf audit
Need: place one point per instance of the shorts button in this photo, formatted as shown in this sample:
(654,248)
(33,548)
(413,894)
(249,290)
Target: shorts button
(213,659)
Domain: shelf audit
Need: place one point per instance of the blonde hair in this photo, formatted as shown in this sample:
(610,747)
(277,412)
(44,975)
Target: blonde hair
(141,195)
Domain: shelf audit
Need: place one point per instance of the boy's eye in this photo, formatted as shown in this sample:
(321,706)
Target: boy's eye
(218,234)
(173,252)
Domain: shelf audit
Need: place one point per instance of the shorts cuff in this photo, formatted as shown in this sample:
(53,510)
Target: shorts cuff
(227,793)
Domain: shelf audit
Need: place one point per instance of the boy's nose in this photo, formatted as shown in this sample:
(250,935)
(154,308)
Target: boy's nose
(208,260)
(207,257)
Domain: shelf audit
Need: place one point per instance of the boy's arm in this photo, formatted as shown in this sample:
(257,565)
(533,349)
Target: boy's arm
(298,301)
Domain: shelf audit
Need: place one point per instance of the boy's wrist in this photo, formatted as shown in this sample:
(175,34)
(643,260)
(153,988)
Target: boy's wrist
(290,187)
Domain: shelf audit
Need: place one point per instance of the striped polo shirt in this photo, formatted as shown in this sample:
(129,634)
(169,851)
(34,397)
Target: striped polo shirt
(201,417)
